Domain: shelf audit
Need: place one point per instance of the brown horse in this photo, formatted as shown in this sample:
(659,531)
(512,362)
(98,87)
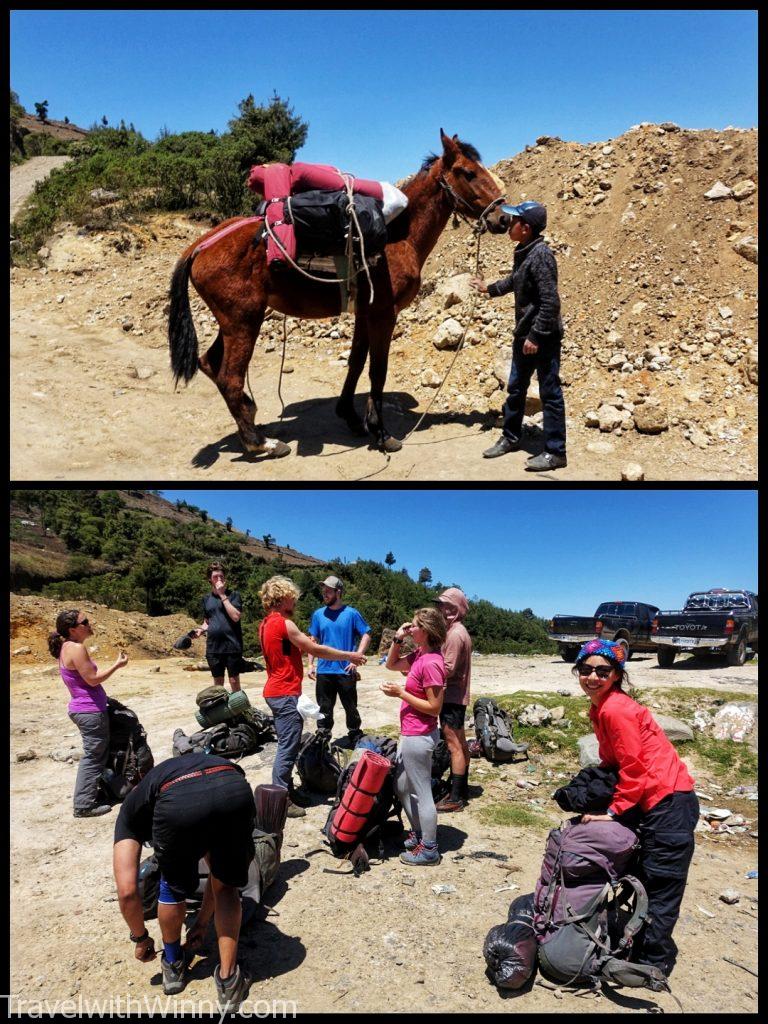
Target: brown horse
(233,279)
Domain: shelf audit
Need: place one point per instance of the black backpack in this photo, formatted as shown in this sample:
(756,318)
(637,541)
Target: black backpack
(318,768)
(494,731)
(385,805)
(129,757)
(441,763)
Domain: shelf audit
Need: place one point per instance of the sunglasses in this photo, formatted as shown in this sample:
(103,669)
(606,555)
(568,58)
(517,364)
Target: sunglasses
(601,671)
(83,622)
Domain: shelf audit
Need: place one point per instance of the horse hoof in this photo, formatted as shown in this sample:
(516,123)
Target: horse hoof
(391,444)
(272,448)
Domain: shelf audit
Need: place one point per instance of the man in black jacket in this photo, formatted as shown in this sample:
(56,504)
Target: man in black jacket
(537,339)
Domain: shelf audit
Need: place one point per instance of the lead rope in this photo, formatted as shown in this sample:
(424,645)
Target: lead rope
(456,353)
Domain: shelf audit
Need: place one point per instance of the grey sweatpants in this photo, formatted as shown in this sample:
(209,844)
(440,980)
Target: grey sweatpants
(94,729)
(413,780)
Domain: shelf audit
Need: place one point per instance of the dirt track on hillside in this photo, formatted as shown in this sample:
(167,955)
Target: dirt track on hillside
(26,175)
(336,943)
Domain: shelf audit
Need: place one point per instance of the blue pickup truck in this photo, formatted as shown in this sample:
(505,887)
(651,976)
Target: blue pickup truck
(720,621)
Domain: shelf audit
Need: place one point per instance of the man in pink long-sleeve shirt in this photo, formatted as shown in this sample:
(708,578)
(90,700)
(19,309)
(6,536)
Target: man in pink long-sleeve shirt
(457,654)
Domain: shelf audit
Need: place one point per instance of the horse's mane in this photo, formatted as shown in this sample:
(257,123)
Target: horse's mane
(466,148)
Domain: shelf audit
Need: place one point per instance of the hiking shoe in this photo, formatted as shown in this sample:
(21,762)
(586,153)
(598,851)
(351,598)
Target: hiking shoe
(422,856)
(446,804)
(545,461)
(355,737)
(294,811)
(502,447)
(174,975)
(412,841)
(92,812)
(233,991)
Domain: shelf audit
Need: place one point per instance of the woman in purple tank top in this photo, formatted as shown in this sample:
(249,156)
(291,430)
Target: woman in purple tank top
(87,706)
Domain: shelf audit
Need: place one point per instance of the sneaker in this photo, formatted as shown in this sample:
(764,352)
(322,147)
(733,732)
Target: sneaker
(502,447)
(447,804)
(294,811)
(174,975)
(233,991)
(422,856)
(412,841)
(547,460)
(92,812)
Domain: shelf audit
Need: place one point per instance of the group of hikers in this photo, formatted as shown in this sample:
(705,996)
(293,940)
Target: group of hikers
(201,806)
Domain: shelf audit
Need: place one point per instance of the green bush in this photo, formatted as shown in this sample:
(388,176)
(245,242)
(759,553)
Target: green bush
(190,170)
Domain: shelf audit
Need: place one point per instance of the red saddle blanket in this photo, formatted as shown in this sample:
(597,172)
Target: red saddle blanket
(275,182)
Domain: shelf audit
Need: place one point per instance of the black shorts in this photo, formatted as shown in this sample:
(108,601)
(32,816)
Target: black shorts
(218,662)
(210,814)
(453,715)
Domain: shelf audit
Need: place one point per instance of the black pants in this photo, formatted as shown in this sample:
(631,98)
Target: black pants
(666,849)
(329,685)
(546,363)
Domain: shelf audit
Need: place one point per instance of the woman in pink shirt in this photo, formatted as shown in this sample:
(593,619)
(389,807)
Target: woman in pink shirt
(87,707)
(421,700)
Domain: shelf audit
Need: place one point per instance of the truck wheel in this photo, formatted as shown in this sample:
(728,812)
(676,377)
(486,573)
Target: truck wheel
(737,654)
(568,654)
(625,644)
(666,657)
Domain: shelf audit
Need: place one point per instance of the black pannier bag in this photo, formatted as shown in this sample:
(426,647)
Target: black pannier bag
(321,222)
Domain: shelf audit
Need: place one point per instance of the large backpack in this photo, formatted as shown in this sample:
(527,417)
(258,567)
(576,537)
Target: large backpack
(318,768)
(234,739)
(494,731)
(347,826)
(129,757)
(586,911)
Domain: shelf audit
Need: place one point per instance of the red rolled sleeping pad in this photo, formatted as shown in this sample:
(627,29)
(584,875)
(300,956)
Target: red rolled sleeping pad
(366,782)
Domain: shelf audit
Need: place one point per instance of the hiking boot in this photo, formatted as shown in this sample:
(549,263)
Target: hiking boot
(294,811)
(354,737)
(422,856)
(502,447)
(233,991)
(174,975)
(412,841)
(447,804)
(547,460)
(92,812)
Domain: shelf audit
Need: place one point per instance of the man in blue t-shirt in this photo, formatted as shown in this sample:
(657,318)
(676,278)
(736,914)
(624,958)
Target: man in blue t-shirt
(337,625)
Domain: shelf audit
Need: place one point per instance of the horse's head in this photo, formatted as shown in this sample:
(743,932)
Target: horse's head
(474,191)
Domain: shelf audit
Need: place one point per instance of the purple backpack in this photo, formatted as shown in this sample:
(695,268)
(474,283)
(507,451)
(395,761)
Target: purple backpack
(587,911)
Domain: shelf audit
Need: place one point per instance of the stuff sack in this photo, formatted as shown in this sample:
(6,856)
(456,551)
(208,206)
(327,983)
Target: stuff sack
(589,792)
(365,798)
(318,769)
(494,731)
(129,757)
(510,949)
(322,223)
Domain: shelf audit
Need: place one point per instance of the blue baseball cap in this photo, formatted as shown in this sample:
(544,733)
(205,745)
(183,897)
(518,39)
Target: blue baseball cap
(532,213)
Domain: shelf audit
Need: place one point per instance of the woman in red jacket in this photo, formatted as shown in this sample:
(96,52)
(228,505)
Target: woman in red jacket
(654,795)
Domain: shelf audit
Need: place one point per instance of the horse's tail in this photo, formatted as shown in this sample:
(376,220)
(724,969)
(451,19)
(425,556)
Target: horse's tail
(182,338)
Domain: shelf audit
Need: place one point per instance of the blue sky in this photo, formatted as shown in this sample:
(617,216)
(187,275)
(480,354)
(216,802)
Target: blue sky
(376,86)
(553,551)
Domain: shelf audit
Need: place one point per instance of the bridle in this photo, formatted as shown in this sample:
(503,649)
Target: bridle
(480,224)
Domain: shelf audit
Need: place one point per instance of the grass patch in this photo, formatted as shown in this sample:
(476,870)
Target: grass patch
(731,762)
(511,814)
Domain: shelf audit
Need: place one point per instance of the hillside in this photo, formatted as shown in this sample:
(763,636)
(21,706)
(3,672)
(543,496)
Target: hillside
(63,130)
(659,289)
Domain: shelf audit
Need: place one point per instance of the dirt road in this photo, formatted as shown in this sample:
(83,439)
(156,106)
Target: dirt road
(26,176)
(333,942)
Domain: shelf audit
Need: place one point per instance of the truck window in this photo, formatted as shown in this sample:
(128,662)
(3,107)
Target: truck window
(626,609)
(605,610)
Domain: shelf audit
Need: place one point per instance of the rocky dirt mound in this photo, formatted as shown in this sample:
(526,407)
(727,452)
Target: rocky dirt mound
(141,636)
(656,237)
